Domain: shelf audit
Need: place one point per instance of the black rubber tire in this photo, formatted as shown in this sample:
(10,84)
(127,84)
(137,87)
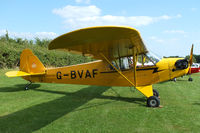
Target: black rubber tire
(190,79)
(155,93)
(153,101)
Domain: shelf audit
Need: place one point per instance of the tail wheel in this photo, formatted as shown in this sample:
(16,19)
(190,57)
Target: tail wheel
(155,93)
(153,101)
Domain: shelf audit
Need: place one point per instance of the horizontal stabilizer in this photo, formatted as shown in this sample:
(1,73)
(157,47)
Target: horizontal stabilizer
(21,73)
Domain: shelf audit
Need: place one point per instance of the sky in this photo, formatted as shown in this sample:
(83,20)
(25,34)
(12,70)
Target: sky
(168,28)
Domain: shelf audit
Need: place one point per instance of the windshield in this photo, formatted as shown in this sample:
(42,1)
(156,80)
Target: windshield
(154,58)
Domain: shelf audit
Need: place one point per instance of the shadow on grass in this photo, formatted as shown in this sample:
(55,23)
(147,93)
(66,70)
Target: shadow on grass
(38,116)
(116,98)
(196,103)
(18,87)
(125,99)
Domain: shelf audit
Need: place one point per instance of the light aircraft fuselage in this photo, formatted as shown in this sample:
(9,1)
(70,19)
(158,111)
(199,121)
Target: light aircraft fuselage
(100,73)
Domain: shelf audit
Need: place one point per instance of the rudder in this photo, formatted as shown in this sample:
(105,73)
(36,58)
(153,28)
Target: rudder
(30,63)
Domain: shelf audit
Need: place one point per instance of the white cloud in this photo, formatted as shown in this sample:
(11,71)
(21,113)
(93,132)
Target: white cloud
(74,12)
(175,31)
(156,39)
(84,16)
(28,35)
(2,32)
(82,1)
(43,35)
(193,9)
(164,41)
(174,39)
(178,16)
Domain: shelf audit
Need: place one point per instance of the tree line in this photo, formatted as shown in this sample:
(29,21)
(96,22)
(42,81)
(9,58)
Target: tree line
(11,48)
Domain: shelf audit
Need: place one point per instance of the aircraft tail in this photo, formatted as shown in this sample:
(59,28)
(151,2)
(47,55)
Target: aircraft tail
(29,65)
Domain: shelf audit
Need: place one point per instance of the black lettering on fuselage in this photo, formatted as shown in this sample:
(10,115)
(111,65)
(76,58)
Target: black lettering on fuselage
(73,74)
(87,74)
(94,72)
(80,74)
(59,75)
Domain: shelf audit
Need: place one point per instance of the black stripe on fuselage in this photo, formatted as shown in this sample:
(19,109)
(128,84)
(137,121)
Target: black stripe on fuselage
(155,69)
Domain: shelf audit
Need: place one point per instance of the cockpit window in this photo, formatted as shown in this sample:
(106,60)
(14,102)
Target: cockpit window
(142,61)
(122,63)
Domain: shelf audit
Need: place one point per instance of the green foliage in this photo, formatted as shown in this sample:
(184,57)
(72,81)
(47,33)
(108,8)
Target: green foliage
(11,49)
(172,57)
(197,57)
(42,43)
(193,58)
(7,37)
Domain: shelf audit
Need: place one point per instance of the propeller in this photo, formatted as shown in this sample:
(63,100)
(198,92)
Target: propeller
(191,55)
(190,63)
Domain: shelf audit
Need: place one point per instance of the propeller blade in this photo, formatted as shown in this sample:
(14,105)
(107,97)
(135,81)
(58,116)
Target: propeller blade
(191,55)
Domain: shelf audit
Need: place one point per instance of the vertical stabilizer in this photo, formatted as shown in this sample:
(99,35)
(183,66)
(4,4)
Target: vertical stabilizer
(29,63)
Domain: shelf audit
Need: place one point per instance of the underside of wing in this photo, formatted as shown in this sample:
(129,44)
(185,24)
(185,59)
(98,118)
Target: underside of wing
(111,41)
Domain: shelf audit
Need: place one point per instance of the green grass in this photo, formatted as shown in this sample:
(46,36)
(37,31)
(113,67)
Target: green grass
(78,108)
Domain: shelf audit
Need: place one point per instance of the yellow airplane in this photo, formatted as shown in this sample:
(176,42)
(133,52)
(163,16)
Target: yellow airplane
(117,50)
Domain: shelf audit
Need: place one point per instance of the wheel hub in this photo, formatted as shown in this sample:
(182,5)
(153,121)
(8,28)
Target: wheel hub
(153,103)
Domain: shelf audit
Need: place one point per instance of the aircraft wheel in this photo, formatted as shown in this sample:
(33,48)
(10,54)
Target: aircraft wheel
(155,93)
(153,101)
(190,79)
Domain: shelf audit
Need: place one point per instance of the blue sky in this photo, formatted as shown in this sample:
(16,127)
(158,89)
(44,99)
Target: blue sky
(167,27)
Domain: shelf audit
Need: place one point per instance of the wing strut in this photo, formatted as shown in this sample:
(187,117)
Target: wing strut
(145,90)
(134,64)
(117,70)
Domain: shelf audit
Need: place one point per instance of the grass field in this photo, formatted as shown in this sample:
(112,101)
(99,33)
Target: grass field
(76,108)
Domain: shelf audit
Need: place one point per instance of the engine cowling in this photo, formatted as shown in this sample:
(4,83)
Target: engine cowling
(181,64)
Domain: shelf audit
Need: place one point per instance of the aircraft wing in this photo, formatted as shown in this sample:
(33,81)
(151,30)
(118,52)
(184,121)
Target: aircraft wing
(112,41)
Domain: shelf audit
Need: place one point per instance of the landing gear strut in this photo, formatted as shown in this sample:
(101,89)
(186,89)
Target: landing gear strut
(153,101)
(26,87)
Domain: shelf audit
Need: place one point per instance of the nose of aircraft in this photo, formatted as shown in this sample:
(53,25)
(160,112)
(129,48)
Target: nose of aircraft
(181,64)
